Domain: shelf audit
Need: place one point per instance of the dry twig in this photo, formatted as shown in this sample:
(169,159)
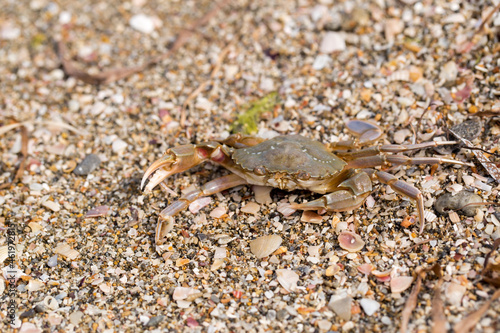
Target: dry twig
(468,323)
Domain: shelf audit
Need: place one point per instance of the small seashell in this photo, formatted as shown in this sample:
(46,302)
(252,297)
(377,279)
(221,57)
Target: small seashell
(65,250)
(369,306)
(401,75)
(263,246)
(350,241)
(69,166)
(35,227)
(53,206)
(198,204)
(311,217)
(218,212)
(288,279)
(98,211)
(251,208)
(401,283)
(51,303)
(332,42)
(332,270)
(262,194)
(220,253)
(341,304)
(35,284)
(454,293)
(365,269)
(181,262)
(285,209)
(408,221)
(182,293)
(216,264)
(453,217)
(4,253)
(29,328)
(429,216)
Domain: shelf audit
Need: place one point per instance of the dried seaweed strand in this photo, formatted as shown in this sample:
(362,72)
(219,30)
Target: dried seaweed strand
(438,316)
(116,74)
(469,322)
(487,19)
(411,303)
(486,163)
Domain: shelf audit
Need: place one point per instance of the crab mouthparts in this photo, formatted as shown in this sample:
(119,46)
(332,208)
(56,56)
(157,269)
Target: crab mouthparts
(159,176)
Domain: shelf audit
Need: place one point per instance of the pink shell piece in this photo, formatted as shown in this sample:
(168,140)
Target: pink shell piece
(98,211)
(350,241)
(365,269)
(401,283)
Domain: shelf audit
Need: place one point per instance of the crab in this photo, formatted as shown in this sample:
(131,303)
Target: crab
(341,172)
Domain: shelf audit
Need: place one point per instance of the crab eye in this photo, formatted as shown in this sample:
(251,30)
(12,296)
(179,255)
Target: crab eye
(259,171)
(302,175)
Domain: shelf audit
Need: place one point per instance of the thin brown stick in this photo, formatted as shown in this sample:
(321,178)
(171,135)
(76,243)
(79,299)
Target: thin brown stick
(116,74)
(202,86)
(487,19)
(469,322)
(438,316)
(411,303)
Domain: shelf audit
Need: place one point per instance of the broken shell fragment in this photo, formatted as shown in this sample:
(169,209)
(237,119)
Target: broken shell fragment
(401,283)
(311,217)
(350,241)
(263,246)
(288,279)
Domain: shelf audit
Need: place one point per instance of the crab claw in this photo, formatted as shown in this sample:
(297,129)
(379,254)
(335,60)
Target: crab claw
(179,159)
(163,163)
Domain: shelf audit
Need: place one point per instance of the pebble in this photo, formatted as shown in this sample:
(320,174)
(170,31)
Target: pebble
(29,328)
(447,202)
(341,305)
(142,23)
(332,42)
(154,321)
(449,72)
(89,164)
(321,61)
(369,306)
(76,317)
(119,146)
(469,129)
(53,206)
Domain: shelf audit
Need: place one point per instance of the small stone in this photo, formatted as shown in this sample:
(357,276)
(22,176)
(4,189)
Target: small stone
(76,317)
(142,23)
(341,305)
(154,321)
(332,42)
(447,202)
(29,328)
(53,206)
(321,61)
(469,129)
(119,146)
(89,164)
(449,72)
(369,306)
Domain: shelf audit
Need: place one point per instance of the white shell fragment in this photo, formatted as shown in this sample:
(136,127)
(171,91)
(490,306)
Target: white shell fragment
(369,306)
(251,208)
(35,284)
(288,279)
(401,283)
(311,217)
(53,206)
(263,246)
(350,241)
(341,304)
(332,41)
(65,250)
(262,194)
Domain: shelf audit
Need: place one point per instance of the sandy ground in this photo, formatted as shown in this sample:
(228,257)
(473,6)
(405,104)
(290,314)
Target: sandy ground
(83,233)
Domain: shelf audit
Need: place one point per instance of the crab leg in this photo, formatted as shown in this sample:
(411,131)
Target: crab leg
(348,195)
(373,161)
(370,151)
(405,189)
(212,187)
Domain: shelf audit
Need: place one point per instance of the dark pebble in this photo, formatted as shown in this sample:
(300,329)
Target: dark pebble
(89,164)
(214,299)
(469,129)
(447,202)
(27,314)
(153,321)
